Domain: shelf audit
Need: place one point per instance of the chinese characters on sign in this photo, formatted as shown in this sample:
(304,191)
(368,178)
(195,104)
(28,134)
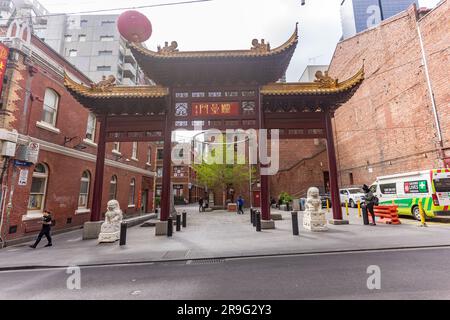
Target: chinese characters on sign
(4,51)
(215,109)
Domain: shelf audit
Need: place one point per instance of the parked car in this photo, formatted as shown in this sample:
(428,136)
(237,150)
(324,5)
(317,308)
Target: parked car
(351,195)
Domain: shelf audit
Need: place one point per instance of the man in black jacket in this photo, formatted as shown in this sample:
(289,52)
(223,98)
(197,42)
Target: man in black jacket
(369,202)
(46,226)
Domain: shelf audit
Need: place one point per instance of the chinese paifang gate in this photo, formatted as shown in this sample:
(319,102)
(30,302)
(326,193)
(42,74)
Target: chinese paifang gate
(222,89)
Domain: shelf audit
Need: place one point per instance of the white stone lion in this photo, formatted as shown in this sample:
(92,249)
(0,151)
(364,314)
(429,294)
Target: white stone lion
(110,230)
(314,217)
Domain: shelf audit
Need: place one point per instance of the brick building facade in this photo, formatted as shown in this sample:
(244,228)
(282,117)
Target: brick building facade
(389,125)
(36,105)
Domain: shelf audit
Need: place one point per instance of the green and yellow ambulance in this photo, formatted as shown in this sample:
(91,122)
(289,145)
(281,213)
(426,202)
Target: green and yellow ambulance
(406,190)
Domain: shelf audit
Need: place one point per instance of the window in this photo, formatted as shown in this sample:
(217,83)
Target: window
(103,68)
(159,172)
(84,190)
(113,188)
(132,192)
(51,100)
(67,38)
(105,53)
(90,128)
(107,22)
(149,155)
(73,53)
(82,38)
(116,147)
(134,151)
(350,177)
(158,191)
(159,154)
(83,23)
(38,188)
(388,188)
(106,38)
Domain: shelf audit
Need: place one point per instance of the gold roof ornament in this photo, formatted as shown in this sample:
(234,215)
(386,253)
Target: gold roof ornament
(107,89)
(322,86)
(325,80)
(168,49)
(105,85)
(262,47)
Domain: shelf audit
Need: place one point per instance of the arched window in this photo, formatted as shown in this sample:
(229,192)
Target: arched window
(113,188)
(131,195)
(84,190)
(38,188)
(14,30)
(25,34)
(51,100)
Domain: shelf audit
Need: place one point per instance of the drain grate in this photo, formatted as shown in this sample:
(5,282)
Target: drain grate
(205,261)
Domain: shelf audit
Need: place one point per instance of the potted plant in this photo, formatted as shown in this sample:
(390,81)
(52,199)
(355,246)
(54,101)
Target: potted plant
(286,199)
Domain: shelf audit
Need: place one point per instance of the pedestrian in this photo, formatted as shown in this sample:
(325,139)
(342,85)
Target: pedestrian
(240,205)
(200,204)
(45,231)
(205,204)
(369,200)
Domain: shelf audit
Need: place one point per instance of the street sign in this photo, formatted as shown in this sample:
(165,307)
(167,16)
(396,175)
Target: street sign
(33,152)
(20,163)
(23,177)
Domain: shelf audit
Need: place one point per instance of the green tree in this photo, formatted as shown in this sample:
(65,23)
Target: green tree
(218,176)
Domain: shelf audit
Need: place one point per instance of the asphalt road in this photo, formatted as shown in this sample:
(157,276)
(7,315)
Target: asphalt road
(405,274)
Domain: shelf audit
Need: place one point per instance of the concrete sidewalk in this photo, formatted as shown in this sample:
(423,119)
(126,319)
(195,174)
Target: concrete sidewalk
(221,234)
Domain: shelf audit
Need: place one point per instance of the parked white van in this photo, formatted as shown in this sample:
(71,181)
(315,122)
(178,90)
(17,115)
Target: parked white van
(405,190)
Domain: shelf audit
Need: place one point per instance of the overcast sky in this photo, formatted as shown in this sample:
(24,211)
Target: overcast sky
(232,24)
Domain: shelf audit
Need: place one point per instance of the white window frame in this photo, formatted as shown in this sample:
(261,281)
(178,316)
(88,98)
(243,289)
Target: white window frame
(88,180)
(37,213)
(134,151)
(82,36)
(73,53)
(68,38)
(55,108)
(116,148)
(149,156)
(113,181)
(91,125)
(132,193)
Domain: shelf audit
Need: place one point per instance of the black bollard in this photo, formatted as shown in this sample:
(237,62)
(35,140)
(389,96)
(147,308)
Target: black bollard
(184,219)
(258,221)
(295,223)
(365,215)
(252,216)
(178,222)
(123,233)
(169,227)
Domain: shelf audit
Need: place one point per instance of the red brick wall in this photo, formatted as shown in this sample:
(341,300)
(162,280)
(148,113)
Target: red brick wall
(388,125)
(64,170)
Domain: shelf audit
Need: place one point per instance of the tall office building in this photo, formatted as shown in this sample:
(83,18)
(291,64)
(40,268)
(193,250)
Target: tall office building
(359,15)
(93,44)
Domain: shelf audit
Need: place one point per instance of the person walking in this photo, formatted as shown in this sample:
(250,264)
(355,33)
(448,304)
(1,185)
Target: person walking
(240,205)
(45,231)
(200,205)
(369,200)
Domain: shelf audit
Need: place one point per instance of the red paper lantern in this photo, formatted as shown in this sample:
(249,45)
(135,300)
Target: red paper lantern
(134,26)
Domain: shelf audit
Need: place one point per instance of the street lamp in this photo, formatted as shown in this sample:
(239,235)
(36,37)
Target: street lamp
(302,2)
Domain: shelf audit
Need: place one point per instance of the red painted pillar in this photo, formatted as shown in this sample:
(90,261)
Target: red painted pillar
(334,186)
(99,171)
(167,165)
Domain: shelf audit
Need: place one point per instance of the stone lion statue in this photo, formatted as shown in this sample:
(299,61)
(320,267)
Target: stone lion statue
(313,202)
(110,230)
(314,217)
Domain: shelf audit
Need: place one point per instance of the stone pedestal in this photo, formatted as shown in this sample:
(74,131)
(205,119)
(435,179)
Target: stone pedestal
(267,224)
(276,216)
(161,228)
(315,221)
(91,229)
(338,221)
